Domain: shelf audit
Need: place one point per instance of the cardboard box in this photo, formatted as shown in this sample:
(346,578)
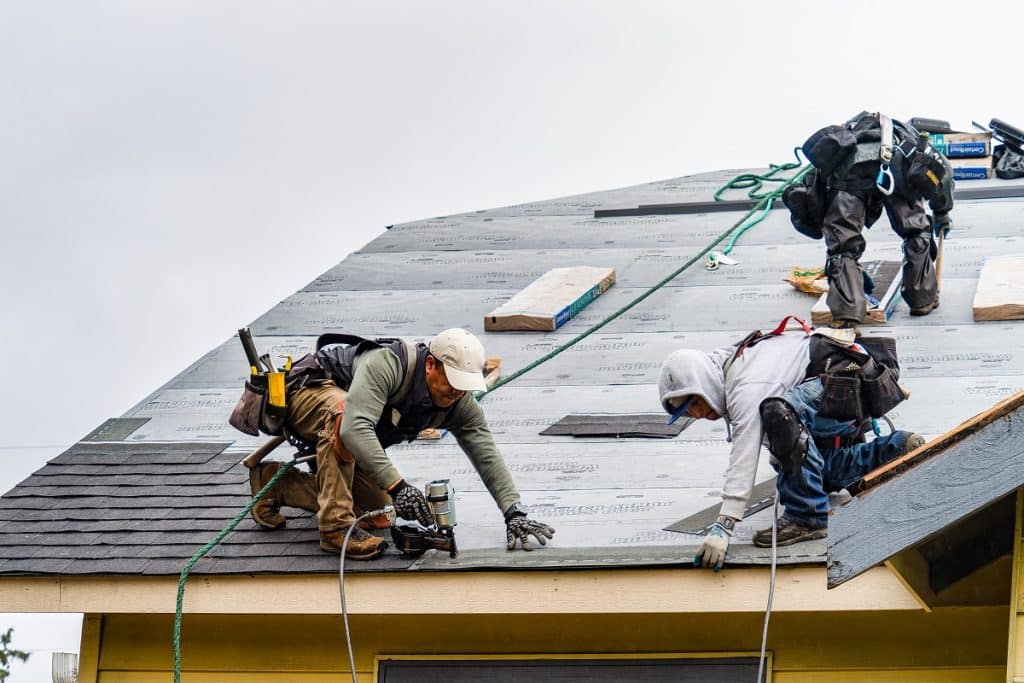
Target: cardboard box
(963,145)
(971,169)
(551,300)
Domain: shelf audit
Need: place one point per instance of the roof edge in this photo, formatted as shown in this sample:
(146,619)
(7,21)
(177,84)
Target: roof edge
(797,589)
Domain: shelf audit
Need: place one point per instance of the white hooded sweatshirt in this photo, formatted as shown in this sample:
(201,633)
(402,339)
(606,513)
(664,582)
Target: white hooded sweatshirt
(770,368)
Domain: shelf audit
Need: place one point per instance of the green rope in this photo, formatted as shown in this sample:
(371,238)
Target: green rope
(201,552)
(764,205)
(756,182)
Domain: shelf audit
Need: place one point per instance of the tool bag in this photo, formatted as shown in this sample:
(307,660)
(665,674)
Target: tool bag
(807,201)
(859,380)
(918,168)
(255,413)
(827,148)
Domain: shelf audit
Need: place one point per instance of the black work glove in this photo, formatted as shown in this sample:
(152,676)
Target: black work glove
(519,528)
(941,223)
(410,503)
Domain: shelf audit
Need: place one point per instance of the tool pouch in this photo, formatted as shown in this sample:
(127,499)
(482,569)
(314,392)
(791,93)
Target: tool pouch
(856,385)
(253,413)
(806,203)
(840,398)
(829,147)
(246,415)
(926,171)
(881,393)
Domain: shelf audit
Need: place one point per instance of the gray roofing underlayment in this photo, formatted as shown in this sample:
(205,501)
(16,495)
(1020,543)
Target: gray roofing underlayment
(143,492)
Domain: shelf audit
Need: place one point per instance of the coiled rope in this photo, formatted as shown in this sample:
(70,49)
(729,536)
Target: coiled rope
(755,182)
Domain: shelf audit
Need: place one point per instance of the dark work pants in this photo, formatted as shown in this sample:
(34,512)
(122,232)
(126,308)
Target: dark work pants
(843,228)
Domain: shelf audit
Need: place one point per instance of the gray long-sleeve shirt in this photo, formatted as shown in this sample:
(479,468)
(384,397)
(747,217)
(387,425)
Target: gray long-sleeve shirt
(377,374)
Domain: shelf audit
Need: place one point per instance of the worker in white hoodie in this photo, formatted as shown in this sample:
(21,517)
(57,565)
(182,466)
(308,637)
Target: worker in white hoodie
(766,391)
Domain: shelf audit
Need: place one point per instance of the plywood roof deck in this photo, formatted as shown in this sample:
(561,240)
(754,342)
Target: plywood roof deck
(116,506)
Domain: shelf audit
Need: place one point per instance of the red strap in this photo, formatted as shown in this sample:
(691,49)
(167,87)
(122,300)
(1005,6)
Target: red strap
(785,321)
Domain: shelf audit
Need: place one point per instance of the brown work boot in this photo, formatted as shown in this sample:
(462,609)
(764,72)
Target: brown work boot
(295,489)
(787,532)
(361,545)
(926,309)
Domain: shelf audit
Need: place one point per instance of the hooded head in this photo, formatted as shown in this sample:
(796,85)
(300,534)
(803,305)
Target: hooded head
(688,372)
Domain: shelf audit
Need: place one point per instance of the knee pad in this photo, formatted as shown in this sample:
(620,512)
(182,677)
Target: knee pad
(788,441)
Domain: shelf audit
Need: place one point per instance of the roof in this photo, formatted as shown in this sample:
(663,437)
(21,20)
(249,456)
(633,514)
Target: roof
(140,495)
(961,473)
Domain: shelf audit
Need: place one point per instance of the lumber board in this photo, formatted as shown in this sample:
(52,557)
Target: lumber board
(1000,293)
(936,446)
(551,300)
(985,463)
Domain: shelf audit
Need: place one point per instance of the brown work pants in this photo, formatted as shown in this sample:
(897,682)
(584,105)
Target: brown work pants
(344,491)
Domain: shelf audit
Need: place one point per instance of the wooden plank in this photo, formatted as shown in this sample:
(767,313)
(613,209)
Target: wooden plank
(936,446)
(1000,294)
(976,469)
(551,300)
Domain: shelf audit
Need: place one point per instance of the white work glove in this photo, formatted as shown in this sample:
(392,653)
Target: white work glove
(715,544)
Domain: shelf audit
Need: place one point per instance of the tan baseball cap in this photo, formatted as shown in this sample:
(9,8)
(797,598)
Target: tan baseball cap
(463,358)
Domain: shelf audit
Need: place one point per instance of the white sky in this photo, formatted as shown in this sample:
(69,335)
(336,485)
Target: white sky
(172,169)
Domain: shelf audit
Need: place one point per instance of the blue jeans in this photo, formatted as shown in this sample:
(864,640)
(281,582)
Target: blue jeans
(828,469)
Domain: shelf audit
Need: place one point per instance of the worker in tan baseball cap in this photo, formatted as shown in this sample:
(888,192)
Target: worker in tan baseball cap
(366,395)
(462,355)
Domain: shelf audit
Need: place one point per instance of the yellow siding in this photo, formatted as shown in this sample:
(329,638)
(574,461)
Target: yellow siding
(950,644)
(1015,648)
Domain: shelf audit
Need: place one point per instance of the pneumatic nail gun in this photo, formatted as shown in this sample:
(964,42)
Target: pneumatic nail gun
(416,540)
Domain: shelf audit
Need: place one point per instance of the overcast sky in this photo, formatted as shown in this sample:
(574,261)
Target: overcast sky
(170,170)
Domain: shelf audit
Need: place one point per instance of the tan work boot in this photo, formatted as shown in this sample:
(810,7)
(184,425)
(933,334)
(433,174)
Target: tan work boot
(265,511)
(361,545)
(295,488)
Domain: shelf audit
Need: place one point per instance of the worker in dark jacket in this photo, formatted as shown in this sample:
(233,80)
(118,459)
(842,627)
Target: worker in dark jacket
(871,163)
(394,391)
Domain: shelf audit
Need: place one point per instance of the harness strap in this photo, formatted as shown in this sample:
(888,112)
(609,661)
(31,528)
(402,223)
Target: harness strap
(757,336)
(785,321)
(410,370)
(885,150)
